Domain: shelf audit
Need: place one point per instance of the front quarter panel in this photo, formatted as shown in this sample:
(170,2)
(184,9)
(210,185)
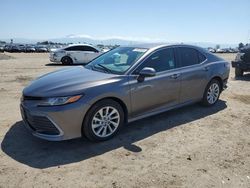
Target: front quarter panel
(116,88)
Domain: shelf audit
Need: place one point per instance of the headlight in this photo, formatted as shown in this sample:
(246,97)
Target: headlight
(57,101)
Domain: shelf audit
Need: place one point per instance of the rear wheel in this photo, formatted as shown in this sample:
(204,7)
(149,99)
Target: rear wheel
(67,60)
(238,72)
(103,120)
(212,93)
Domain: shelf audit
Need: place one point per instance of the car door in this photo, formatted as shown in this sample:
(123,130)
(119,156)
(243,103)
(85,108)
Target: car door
(74,53)
(91,53)
(80,54)
(158,92)
(194,72)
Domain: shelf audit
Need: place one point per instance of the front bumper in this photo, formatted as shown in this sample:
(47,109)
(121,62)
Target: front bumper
(45,128)
(54,58)
(54,123)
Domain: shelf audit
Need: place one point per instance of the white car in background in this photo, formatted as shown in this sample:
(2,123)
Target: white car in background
(211,50)
(220,51)
(74,54)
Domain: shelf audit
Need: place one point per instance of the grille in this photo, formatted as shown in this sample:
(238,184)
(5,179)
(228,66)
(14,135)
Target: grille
(31,98)
(41,124)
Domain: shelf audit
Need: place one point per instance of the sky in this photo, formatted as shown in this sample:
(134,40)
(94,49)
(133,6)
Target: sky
(221,21)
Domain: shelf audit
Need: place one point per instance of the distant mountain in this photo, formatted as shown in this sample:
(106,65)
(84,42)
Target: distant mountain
(112,41)
(95,40)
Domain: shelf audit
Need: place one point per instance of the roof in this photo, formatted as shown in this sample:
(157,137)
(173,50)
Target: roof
(159,45)
(79,44)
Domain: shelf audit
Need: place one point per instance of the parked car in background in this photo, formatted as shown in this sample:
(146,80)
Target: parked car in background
(5,47)
(1,48)
(30,49)
(13,48)
(211,50)
(77,53)
(236,50)
(242,62)
(220,51)
(42,49)
(104,50)
(122,85)
(22,48)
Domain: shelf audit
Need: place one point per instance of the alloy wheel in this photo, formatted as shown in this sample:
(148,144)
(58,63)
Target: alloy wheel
(213,93)
(105,121)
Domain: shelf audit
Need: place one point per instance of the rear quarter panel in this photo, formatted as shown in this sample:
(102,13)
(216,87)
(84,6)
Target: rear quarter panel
(218,67)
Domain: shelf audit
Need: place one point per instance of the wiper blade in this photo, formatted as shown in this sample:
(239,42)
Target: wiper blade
(104,68)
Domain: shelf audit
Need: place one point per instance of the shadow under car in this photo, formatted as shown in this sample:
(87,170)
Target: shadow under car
(21,146)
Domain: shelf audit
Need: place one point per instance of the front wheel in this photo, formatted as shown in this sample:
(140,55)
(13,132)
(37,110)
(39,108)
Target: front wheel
(67,60)
(212,93)
(103,120)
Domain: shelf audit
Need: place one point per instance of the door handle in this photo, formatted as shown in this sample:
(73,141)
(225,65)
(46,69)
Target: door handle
(206,68)
(175,76)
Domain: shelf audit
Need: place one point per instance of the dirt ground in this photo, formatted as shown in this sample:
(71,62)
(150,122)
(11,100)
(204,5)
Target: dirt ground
(190,147)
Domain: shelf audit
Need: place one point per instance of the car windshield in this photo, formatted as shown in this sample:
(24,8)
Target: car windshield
(117,61)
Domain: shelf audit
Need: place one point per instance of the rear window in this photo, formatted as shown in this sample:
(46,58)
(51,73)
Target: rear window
(89,49)
(190,56)
(81,48)
(72,48)
(201,57)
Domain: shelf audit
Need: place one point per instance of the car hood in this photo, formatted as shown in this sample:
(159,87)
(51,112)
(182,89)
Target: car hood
(68,81)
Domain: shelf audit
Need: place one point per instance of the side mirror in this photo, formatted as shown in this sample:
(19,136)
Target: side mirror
(146,72)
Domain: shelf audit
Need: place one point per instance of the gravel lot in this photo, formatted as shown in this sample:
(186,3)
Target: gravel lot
(190,147)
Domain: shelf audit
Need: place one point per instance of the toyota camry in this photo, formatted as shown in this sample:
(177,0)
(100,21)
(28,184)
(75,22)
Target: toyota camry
(120,86)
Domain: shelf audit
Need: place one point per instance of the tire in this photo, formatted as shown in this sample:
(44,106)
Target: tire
(238,72)
(212,93)
(98,126)
(67,60)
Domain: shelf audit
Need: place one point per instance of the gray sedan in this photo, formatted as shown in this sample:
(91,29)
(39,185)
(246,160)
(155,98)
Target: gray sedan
(121,86)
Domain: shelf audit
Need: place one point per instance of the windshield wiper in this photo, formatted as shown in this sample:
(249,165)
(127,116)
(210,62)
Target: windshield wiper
(104,68)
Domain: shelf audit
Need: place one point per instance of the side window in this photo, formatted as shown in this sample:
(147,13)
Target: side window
(67,49)
(72,48)
(78,48)
(189,56)
(81,48)
(201,57)
(161,60)
(87,48)
(90,49)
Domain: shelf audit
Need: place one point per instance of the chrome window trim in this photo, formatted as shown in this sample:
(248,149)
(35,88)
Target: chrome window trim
(141,61)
